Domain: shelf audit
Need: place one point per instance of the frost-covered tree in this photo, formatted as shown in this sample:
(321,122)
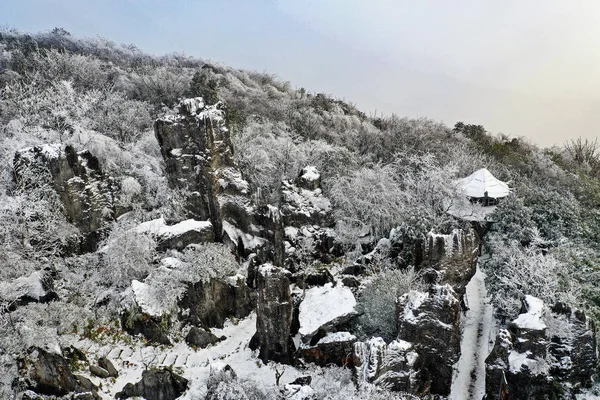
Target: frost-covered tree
(378,301)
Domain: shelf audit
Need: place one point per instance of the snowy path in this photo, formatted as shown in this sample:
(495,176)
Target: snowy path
(469,376)
(195,365)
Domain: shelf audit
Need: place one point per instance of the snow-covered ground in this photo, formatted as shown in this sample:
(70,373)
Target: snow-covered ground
(469,375)
(194,365)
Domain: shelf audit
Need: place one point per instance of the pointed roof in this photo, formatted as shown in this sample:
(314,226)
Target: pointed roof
(482,181)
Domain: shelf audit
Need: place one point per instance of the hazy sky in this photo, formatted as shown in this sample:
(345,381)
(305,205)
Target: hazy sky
(525,68)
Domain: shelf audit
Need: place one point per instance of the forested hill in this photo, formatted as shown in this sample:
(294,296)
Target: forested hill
(376,188)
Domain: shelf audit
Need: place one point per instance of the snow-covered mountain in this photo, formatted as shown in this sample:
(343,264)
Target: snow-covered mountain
(173,228)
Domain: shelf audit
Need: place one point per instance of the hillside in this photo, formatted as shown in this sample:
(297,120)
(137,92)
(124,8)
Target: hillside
(216,233)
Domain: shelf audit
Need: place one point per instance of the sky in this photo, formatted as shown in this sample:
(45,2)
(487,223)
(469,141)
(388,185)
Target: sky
(523,68)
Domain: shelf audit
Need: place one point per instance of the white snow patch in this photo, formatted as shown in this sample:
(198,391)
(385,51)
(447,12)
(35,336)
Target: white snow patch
(415,299)
(250,242)
(160,228)
(325,304)
(532,319)
(310,173)
(517,360)
(337,337)
(146,299)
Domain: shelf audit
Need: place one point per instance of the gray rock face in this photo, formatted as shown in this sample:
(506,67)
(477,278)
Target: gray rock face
(210,304)
(420,361)
(431,322)
(274,311)
(156,385)
(200,338)
(452,256)
(198,154)
(85,191)
(47,373)
(335,348)
(390,366)
(545,353)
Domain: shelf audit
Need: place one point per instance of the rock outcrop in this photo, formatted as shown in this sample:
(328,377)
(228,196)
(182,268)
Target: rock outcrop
(200,338)
(334,348)
(161,384)
(86,193)
(198,154)
(420,360)
(209,304)
(48,374)
(452,256)
(274,311)
(544,353)
(38,287)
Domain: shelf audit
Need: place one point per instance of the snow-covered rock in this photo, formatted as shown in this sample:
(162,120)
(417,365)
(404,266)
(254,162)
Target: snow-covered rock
(198,154)
(544,353)
(391,366)
(324,307)
(38,287)
(86,193)
(177,236)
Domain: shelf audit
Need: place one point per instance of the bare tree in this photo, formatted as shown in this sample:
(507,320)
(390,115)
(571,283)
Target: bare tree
(584,151)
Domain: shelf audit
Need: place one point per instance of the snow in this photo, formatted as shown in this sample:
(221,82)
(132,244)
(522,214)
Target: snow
(532,319)
(310,173)
(468,381)
(160,228)
(195,364)
(29,285)
(176,152)
(415,299)
(337,337)
(49,151)
(481,182)
(145,298)
(325,304)
(250,242)
(517,360)
(193,105)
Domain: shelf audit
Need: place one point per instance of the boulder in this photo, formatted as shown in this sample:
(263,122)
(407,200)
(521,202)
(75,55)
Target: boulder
(303,202)
(334,348)
(161,384)
(105,363)
(47,373)
(200,338)
(86,383)
(211,303)
(38,287)
(99,372)
(453,256)
(420,361)
(86,193)
(274,311)
(325,308)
